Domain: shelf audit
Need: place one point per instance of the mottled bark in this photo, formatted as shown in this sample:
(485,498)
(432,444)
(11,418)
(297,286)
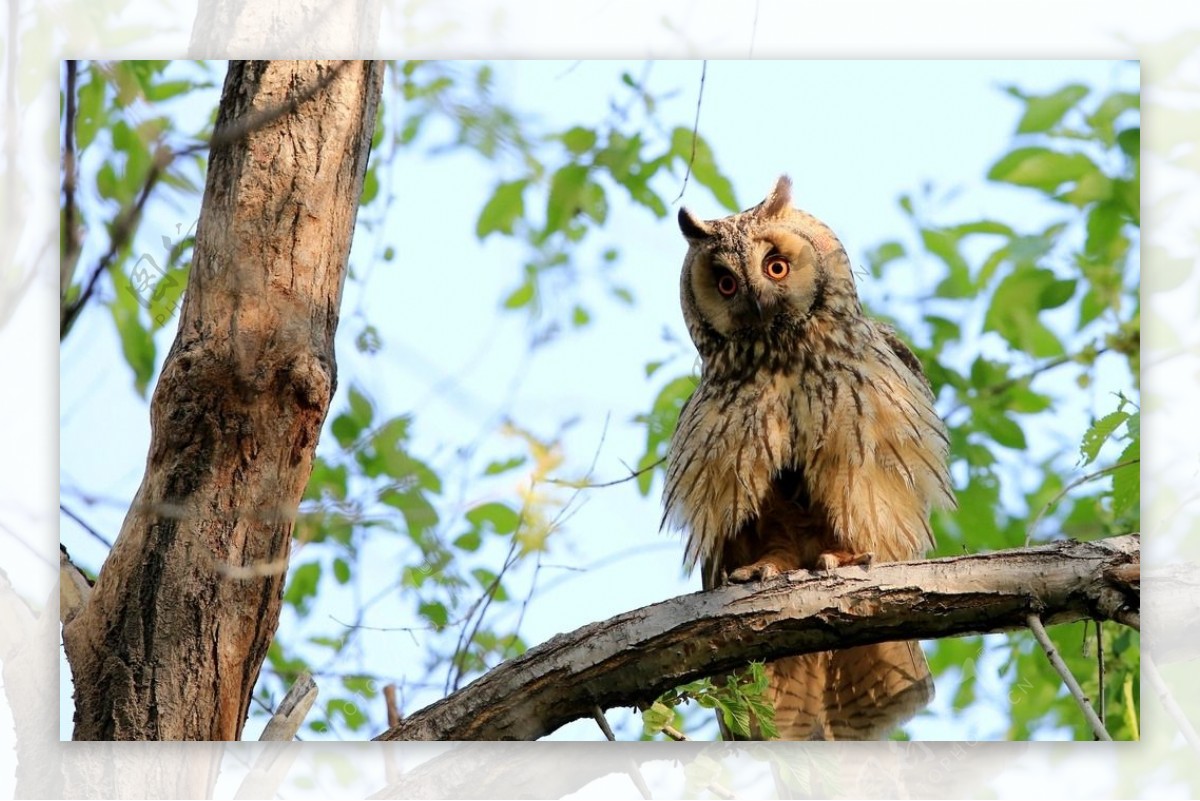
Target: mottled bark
(169,645)
(636,656)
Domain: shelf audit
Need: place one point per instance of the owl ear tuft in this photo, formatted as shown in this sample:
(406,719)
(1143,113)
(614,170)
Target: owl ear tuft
(692,226)
(779,201)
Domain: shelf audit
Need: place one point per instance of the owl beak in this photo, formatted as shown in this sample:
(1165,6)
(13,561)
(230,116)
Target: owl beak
(762,307)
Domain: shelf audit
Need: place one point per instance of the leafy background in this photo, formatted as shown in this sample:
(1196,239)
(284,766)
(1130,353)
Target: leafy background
(511,339)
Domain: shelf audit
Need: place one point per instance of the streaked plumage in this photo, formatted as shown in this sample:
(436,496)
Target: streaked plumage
(810,441)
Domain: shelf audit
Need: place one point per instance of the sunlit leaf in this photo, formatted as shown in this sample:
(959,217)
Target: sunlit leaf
(503,209)
(1043,112)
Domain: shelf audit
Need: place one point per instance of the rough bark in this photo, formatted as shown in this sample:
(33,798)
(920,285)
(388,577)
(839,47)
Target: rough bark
(169,645)
(637,656)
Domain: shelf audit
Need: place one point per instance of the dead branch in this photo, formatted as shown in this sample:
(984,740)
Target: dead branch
(288,718)
(1085,706)
(636,656)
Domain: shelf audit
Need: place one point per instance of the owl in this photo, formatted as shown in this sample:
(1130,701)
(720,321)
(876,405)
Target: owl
(811,441)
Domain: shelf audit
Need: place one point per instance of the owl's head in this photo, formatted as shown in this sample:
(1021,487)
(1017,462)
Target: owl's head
(766,271)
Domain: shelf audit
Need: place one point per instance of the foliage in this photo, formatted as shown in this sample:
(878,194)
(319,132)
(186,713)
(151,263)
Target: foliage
(740,700)
(1016,326)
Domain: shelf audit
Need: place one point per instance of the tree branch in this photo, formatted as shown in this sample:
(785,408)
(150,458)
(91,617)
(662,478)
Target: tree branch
(1039,633)
(292,710)
(636,656)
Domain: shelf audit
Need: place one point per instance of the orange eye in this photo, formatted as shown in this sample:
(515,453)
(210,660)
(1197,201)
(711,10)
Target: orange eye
(776,267)
(727,285)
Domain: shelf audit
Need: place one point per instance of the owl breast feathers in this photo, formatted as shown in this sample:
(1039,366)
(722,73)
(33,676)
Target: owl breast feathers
(811,441)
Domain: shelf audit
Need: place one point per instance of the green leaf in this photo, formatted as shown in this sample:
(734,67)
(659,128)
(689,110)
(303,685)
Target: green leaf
(567,196)
(91,112)
(350,712)
(1041,168)
(341,570)
(1104,118)
(370,186)
(521,296)
(501,518)
(580,317)
(495,468)
(1045,111)
(694,150)
(1130,142)
(1013,312)
(326,478)
(166,296)
(165,90)
(489,582)
(435,612)
(361,408)
(1099,433)
(503,209)
(419,514)
(656,717)
(883,255)
(136,343)
(387,456)
(302,587)
(1004,430)
(470,541)
(579,140)
(1129,707)
(660,424)
(345,429)
(1127,486)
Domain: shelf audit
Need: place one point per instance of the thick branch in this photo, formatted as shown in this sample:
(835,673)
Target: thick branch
(638,655)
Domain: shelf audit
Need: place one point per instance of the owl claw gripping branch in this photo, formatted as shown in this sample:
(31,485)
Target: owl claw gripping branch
(810,442)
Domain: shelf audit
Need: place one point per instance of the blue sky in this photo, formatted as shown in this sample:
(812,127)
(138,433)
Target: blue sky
(852,135)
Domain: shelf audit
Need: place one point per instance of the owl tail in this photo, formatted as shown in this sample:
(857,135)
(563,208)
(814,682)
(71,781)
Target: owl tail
(858,693)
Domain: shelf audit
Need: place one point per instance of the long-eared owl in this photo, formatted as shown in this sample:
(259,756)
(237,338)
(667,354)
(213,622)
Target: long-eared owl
(810,442)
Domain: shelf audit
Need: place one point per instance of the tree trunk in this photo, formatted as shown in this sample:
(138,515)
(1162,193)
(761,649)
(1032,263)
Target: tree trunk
(170,642)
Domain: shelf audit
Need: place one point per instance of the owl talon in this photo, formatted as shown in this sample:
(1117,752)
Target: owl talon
(759,571)
(831,560)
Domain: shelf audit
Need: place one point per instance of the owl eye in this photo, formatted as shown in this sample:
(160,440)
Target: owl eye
(776,267)
(727,284)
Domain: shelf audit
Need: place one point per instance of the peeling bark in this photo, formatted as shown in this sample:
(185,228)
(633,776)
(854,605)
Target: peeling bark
(636,656)
(170,643)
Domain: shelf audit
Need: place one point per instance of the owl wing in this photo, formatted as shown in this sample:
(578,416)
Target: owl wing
(905,354)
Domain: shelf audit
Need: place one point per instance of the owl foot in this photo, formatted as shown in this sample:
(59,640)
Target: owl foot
(759,571)
(835,559)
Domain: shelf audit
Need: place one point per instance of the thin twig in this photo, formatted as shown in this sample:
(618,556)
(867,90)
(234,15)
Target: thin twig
(1039,632)
(1062,494)
(1100,672)
(695,130)
(82,524)
(632,475)
(123,227)
(1150,670)
(393,709)
(71,246)
(602,722)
